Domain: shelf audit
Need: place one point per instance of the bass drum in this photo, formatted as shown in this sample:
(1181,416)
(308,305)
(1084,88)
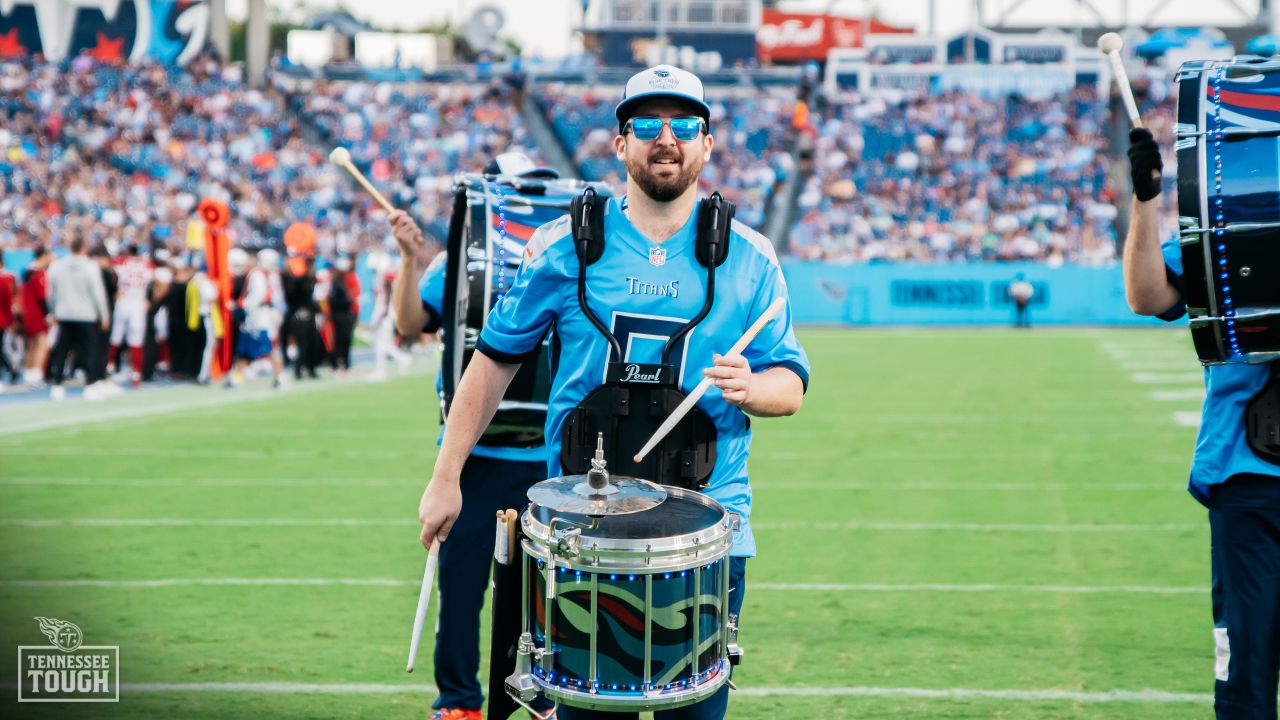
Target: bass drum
(493,218)
(1229,206)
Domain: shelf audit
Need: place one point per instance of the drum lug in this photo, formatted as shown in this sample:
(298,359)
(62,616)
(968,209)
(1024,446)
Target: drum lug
(520,684)
(735,651)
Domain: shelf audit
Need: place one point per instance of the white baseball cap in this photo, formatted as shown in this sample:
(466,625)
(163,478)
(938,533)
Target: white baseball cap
(517,164)
(662,81)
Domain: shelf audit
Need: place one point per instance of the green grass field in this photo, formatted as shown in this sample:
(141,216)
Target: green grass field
(958,524)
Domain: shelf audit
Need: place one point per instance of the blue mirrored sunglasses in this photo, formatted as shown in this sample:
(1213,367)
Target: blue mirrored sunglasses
(647,128)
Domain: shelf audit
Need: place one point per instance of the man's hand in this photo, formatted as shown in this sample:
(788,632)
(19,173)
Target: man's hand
(1145,164)
(409,237)
(105,324)
(733,376)
(438,510)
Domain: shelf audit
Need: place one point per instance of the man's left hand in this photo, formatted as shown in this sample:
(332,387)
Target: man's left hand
(732,375)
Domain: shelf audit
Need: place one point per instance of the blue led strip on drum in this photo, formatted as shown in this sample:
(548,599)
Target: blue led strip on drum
(1218,222)
(501,260)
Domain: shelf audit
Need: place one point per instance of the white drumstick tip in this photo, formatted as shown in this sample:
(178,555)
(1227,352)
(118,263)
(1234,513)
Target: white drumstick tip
(340,157)
(1110,42)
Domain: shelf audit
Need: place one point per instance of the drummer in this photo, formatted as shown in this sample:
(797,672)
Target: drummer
(1241,490)
(647,284)
(496,477)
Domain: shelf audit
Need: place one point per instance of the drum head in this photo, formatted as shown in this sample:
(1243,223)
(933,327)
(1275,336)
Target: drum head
(683,513)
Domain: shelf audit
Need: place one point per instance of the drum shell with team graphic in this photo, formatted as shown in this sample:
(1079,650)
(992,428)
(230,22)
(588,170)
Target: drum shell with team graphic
(629,603)
(1228,154)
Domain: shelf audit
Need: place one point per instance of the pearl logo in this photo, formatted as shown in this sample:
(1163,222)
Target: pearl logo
(634,375)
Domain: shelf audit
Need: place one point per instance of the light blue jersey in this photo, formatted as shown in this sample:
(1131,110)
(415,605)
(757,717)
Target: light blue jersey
(1221,448)
(431,290)
(645,292)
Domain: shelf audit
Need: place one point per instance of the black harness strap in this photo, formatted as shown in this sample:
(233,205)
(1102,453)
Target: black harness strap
(636,398)
(1262,418)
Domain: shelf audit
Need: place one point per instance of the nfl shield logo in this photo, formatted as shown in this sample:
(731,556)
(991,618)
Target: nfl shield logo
(657,256)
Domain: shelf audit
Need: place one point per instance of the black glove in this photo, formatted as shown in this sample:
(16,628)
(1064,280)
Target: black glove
(1145,164)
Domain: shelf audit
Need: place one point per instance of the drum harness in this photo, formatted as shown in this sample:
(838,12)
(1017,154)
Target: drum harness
(1262,418)
(636,397)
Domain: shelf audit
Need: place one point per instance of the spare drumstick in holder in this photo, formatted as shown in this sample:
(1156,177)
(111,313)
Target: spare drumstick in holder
(687,404)
(1111,43)
(424,599)
(342,158)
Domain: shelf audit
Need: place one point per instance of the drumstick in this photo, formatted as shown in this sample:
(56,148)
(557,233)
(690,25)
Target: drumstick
(1110,44)
(424,599)
(684,407)
(501,547)
(513,517)
(342,158)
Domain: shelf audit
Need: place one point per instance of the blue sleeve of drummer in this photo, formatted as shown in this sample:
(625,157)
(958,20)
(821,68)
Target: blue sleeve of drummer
(431,287)
(1172,251)
(776,345)
(520,319)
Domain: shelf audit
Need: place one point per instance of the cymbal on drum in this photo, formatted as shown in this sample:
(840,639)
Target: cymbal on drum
(574,494)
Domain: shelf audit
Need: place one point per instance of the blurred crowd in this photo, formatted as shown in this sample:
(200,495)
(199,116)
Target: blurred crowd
(111,322)
(905,176)
(752,129)
(121,155)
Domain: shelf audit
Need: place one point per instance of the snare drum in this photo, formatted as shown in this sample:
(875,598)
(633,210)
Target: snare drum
(637,604)
(1229,206)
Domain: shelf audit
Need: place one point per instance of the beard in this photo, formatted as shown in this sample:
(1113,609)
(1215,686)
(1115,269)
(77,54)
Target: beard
(664,188)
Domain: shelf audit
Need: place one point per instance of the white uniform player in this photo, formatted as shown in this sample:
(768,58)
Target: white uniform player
(129,320)
(264,306)
(384,327)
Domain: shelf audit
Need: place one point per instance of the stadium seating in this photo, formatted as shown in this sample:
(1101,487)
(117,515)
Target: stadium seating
(956,177)
(751,128)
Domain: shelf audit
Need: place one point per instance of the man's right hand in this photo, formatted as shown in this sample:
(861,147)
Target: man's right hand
(1145,164)
(413,247)
(438,510)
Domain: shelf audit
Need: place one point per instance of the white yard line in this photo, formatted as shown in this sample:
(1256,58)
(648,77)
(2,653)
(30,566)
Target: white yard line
(1187,419)
(192,398)
(1156,365)
(883,486)
(960,486)
(1178,378)
(763,525)
(984,588)
(977,527)
(210,482)
(1109,696)
(1195,393)
(206,522)
(785,587)
(1073,696)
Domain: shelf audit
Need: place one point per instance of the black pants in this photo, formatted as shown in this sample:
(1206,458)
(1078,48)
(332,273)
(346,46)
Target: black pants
(488,485)
(80,338)
(302,328)
(344,326)
(1244,519)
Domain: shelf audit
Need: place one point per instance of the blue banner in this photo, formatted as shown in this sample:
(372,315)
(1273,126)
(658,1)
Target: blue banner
(166,31)
(977,294)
